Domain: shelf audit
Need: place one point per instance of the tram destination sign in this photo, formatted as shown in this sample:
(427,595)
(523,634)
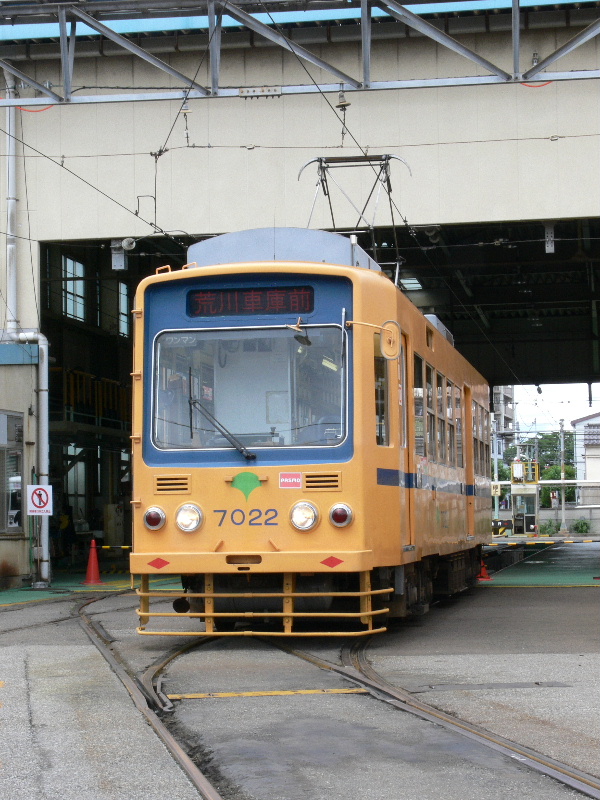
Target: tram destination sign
(249,301)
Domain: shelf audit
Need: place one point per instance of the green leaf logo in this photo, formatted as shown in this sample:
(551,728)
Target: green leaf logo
(246,482)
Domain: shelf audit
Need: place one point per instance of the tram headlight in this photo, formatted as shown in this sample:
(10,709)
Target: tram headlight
(341,515)
(154,518)
(189,518)
(304,516)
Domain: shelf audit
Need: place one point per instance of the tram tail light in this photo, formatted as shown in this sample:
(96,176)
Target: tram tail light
(340,515)
(154,518)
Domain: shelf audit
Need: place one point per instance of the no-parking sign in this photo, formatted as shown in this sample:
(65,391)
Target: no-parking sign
(39,500)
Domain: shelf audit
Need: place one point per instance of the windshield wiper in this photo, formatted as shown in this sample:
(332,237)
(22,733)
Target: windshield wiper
(231,438)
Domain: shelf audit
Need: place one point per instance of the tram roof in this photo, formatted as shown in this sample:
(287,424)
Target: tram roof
(280,244)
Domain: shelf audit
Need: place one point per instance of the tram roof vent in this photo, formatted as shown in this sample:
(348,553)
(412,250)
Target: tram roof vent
(439,325)
(281,244)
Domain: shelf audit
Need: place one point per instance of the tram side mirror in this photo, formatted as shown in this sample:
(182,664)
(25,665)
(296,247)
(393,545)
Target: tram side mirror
(390,340)
(301,336)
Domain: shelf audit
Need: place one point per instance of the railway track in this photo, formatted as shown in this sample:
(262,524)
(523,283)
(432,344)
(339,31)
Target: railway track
(152,701)
(356,668)
(146,699)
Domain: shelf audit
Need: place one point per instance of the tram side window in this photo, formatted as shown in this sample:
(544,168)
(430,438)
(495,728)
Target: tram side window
(451,454)
(418,406)
(441,418)
(429,381)
(402,396)
(382,427)
(481,448)
(474,432)
(459,426)
(487,461)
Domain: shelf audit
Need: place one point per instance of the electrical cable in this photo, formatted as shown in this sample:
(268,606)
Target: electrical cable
(411,230)
(33,281)
(219,17)
(153,225)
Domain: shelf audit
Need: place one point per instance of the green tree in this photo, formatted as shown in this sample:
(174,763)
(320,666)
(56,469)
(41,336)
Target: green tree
(547,447)
(553,473)
(503,475)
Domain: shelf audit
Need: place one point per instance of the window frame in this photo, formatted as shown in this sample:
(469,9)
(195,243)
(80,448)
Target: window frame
(11,447)
(74,294)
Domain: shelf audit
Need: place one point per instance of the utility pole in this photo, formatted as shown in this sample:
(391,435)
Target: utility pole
(563,527)
(495,446)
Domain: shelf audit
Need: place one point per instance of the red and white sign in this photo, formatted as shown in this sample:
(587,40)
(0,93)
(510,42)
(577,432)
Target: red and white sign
(290,480)
(39,500)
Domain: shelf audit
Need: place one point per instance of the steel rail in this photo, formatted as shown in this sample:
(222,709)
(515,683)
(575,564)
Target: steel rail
(143,700)
(356,669)
(149,677)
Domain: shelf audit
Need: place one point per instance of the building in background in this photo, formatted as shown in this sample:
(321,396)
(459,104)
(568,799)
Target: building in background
(503,418)
(587,458)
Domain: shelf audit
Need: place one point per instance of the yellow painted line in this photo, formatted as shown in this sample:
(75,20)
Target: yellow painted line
(207,695)
(1,684)
(544,585)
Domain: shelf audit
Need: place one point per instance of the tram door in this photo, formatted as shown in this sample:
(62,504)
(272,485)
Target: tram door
(405,514)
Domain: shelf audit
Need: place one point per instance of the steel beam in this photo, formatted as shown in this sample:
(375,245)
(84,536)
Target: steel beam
(581,38)
(312,88)
(215,28)
(137,51)
(365,30)
(516,37)
(39,87)
(278,38)
(67,52)
(402,14)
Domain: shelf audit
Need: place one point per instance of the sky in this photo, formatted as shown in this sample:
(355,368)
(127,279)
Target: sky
(543,412)
(193,23)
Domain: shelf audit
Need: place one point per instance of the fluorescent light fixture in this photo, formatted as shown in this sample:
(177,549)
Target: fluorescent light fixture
(410,284)
(327,362)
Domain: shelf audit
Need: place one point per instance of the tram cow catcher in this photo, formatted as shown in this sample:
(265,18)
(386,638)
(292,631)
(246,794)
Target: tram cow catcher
(310,452)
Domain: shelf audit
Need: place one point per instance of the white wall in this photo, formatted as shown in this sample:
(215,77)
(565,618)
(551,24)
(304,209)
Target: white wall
(477,153)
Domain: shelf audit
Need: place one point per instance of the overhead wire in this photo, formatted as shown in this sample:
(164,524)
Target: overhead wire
(219,17)
(392,203)
(33,280)
(93,186)
(411,229)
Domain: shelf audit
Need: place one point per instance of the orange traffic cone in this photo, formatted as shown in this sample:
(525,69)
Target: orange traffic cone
(92,575)
(484,574)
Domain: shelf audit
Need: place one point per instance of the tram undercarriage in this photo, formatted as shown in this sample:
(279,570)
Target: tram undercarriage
(297,604)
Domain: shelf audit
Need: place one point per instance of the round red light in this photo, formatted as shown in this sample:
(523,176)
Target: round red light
(341,515)
(153,519)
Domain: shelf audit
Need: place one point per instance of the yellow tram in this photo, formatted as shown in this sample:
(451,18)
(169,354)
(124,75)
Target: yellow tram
(310,452)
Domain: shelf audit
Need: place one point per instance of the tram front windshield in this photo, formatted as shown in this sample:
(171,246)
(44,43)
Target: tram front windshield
(262,387)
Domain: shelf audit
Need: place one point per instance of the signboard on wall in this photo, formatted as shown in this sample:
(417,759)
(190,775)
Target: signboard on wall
(39,500)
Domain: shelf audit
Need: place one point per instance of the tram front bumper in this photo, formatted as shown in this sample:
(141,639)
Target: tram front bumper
(327,561)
